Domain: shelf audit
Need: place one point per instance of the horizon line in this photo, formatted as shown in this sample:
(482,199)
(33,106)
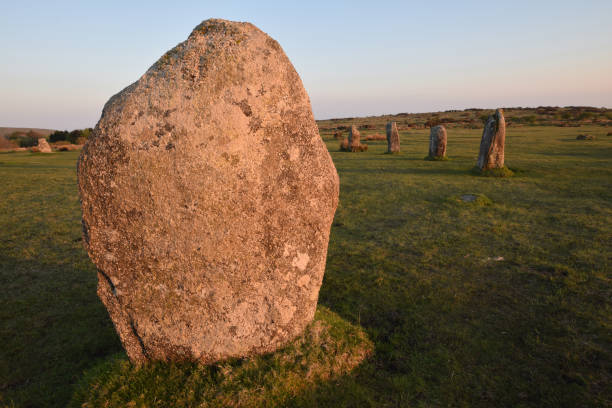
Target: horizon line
(380,115)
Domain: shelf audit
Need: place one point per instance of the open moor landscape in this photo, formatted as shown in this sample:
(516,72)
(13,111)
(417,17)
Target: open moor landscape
(500,300)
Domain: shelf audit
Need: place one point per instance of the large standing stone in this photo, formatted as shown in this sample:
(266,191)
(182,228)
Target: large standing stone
(491,154)
(208,197)
(43,146)
(393,141)
(437,142)
(354,138)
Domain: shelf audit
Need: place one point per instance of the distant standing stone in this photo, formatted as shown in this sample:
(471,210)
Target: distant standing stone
(437,141)
(354,138)
(43,146)
(393,141)
(491,154)
(208,196)
(344,145)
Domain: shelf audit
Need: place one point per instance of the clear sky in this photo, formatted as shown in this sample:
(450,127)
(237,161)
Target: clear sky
(61,60)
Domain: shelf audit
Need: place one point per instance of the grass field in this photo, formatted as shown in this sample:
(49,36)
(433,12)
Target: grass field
(504,301)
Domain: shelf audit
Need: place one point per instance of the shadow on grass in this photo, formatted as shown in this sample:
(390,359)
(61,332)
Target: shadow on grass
(53,328)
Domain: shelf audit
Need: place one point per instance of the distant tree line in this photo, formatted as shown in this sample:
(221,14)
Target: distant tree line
(30,138)
(77,136)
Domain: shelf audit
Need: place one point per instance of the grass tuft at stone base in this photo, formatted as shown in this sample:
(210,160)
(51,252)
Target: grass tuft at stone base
(436,158)
(329,348)
(498,172)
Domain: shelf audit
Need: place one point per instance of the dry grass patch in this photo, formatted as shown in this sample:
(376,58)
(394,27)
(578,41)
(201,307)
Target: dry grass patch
(375,136)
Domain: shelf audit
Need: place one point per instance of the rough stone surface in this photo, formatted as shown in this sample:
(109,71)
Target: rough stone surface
(354,141)
(393,141)
(354,137)
(207,198)
(43,146)
(437,141)
(491,154)
(344,145)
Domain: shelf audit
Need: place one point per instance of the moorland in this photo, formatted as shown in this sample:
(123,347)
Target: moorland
(500,301)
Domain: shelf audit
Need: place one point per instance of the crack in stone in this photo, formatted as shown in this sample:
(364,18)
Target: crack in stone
(110,282)
(142,346)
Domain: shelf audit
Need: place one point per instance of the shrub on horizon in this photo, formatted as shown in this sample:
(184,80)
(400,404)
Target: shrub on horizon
(58,136)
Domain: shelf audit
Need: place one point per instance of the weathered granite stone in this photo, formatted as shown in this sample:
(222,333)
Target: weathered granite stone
(437,141)
(354,138)
(344,145)
(491,154)
(43,146)
(207,198)
(393,141)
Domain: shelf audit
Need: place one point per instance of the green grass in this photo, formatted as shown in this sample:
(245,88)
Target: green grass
(471,200)
(436,158)
(420,270)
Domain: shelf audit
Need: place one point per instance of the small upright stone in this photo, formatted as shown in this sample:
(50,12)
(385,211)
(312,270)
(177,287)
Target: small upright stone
(491,154)
(344,145)
(208,196)
(43,146)
(353,143)
(437,142)
(354,138)
(393,141)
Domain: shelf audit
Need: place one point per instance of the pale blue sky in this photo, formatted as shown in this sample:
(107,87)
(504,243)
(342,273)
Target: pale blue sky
(62,60)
